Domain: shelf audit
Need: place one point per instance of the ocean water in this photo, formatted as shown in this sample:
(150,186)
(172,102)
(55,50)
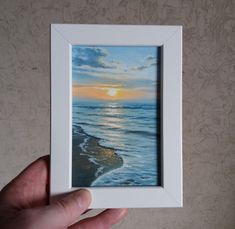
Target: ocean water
(131,129)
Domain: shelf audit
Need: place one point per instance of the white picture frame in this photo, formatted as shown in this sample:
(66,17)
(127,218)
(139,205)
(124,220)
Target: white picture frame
(63,36)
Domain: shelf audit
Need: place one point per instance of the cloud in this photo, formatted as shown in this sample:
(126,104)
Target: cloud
(93,64)
(94,57)
(99,74)
(102,92)
(100,85)
(149,61)
(150,58)
(118,75)
(139,67)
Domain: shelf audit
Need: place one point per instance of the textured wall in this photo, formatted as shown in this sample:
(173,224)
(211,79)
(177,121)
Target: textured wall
(208,95)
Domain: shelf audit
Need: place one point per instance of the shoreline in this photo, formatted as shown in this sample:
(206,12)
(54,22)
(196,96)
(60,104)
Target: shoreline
(89,159)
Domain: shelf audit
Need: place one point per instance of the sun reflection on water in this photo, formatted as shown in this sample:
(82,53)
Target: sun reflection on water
(113,120)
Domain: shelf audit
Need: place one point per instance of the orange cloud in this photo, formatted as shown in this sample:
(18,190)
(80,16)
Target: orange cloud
(106,92)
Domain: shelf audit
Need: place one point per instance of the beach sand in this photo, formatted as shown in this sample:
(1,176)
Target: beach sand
(89,159)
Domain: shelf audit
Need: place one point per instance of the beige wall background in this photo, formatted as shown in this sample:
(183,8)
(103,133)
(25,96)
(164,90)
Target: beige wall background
(208,95)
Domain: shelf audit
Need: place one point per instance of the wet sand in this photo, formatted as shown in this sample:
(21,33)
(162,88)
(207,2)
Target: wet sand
(89,159)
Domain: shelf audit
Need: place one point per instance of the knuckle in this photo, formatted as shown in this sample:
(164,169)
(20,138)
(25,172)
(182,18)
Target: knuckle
(64,208)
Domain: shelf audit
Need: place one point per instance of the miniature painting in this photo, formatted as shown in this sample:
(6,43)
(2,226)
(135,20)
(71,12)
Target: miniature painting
(116,131)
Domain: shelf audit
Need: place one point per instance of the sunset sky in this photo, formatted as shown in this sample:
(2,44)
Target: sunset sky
(113,73)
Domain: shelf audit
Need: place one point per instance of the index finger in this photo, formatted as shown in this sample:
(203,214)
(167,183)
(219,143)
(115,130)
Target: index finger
(30,187)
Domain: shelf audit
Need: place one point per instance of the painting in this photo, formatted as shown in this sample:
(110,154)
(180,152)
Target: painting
(116,116)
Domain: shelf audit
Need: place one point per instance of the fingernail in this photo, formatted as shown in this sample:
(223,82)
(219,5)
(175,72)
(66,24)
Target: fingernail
(122,212)
(84,198)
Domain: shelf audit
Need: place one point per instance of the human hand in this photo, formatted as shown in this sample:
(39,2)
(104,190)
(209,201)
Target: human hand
(24,204)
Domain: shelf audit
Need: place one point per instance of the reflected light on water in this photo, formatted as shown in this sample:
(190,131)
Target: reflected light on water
(112,119)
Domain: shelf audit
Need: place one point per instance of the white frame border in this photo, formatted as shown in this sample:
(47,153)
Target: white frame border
(63,36)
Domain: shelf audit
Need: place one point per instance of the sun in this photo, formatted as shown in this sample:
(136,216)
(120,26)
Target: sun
(112,92)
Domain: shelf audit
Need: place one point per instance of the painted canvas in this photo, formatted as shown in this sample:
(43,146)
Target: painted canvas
(116,116)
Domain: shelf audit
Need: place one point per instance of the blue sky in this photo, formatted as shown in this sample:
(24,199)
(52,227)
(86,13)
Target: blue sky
(133,67)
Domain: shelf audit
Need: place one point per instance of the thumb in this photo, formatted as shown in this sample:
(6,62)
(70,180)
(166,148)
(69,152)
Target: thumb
(64,212)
